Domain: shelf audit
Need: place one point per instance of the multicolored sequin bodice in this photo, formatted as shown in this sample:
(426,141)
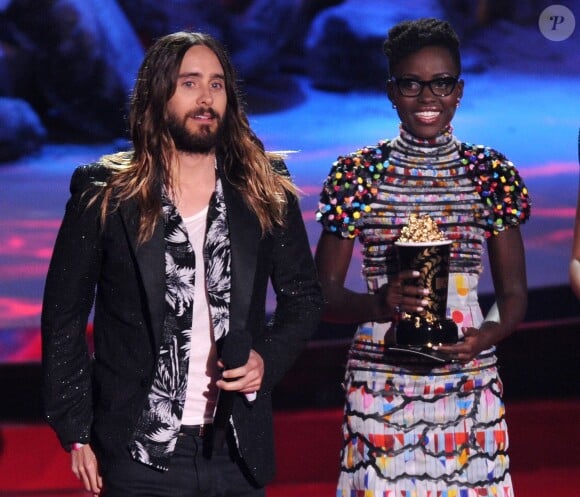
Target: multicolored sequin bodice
(370,194)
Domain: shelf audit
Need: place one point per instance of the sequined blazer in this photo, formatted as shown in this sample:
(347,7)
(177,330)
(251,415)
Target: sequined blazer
(97,398)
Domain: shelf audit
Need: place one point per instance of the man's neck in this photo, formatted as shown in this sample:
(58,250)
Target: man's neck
(194,182)
(194,168)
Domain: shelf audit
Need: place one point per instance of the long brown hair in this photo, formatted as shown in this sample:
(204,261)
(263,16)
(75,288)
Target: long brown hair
(143,173)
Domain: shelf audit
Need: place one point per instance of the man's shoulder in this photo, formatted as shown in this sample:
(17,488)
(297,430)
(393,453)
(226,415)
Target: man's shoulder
(94,171)
(278,164)
(98,173)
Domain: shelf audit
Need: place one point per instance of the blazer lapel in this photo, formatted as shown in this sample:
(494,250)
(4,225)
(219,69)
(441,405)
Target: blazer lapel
(245,234)
(150,259)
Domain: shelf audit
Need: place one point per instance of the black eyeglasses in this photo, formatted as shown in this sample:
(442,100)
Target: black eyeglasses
(440,87)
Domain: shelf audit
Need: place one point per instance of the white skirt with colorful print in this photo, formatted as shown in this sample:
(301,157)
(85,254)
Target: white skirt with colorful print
(421,430)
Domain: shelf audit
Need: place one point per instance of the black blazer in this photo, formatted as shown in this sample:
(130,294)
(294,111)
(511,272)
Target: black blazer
(99,398)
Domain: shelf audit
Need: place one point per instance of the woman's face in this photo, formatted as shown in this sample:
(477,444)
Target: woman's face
(426,114)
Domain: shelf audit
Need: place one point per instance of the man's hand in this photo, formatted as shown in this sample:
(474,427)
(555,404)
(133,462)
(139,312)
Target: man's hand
(245,379)
(85,468)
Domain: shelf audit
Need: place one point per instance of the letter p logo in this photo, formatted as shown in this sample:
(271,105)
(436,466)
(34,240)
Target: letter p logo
(557,22)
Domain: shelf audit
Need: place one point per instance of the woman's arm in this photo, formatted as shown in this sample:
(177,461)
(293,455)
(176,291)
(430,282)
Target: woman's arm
(508,269)
(341,305)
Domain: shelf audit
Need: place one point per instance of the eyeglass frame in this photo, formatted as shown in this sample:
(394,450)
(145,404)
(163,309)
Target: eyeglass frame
(423,84)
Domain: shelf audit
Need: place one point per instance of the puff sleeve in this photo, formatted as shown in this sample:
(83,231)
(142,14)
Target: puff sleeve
(349,190)
(502,190)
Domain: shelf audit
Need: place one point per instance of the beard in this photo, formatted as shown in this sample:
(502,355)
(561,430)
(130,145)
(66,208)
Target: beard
(203,141)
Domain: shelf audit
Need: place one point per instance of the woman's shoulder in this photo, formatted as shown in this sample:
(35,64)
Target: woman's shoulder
(358,168)
(483,161)
(482,154)
(365,156)
(500,185)
(350,187)
(357,171)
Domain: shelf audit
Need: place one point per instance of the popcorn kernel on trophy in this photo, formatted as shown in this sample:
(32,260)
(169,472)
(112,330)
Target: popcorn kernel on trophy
(423,247)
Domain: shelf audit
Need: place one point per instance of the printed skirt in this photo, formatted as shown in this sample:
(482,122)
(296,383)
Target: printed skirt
(419,431)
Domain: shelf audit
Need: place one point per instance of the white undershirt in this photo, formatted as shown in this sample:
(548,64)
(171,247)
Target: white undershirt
(201,395)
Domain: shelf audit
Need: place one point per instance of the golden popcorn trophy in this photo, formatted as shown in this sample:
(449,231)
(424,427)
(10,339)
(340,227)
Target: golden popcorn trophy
(423,248)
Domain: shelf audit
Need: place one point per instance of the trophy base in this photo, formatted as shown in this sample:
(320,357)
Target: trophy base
(426,334)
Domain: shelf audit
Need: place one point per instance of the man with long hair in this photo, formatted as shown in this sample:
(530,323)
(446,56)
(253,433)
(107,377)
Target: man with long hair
(176,242)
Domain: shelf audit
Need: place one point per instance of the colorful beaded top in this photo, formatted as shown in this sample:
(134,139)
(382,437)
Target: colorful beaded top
(472,192)
(354,180)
